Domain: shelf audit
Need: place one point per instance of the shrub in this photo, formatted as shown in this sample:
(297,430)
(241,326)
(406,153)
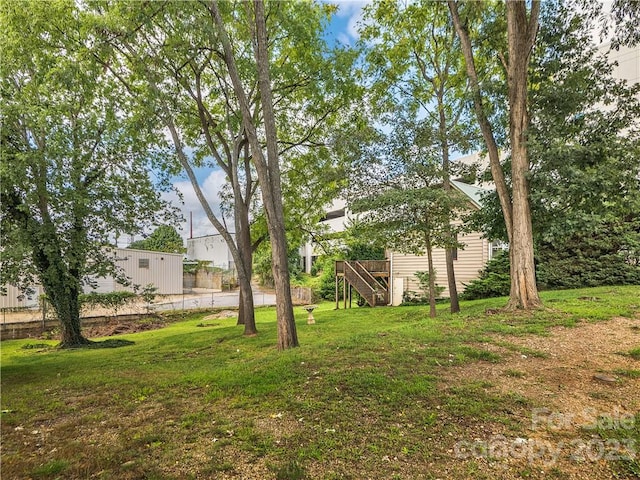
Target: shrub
(327,286)
(111,300)
(607,256)
(494,280)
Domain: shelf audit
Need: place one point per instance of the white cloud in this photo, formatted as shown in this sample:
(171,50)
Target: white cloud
(211,187)
(353,11)
(346,8)
(352,25)
(344,38)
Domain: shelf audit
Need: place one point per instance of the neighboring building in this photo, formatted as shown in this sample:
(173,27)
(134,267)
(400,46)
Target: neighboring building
(16,299)
(627,60)
(211,248)
(468,261)
(335,221)
(143,267)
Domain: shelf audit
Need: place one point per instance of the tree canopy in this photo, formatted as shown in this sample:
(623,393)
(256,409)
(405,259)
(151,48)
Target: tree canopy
(75,159)
(165,238)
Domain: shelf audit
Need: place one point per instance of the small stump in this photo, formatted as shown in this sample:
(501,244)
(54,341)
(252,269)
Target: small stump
(310,309)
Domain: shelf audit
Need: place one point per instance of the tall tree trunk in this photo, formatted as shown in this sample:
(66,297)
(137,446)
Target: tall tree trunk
(268,169)
(485,126)
(521,33)
(287,335)
(446,183)
(61,285)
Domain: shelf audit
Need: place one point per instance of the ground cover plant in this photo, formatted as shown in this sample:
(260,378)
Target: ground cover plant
(371,393)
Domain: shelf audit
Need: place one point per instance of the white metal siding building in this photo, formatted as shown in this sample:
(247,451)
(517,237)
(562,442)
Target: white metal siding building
(143,267)
(16,299)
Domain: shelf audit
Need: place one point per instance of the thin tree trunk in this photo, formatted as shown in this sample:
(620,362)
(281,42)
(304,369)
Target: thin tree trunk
(246,313)
(243,281)
(268,169)
(446,183)
(483,121)
(432,280)
(287,335)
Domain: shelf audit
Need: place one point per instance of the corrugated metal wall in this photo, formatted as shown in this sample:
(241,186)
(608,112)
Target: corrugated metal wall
(163,270)
(470,261)
(15,298)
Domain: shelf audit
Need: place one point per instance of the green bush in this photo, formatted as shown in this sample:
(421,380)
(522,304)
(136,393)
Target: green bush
(111,300)
(609,255)
(494,280)
(327,285)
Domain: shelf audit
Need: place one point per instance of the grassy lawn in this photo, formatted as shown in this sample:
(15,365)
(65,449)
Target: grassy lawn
(363,396)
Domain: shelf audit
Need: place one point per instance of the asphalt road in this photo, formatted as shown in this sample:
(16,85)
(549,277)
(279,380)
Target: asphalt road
(213,299)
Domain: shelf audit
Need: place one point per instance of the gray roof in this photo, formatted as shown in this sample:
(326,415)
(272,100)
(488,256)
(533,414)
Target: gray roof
(474,193)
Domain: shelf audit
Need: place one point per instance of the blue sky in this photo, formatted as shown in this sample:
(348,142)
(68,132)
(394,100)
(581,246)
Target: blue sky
(344,24)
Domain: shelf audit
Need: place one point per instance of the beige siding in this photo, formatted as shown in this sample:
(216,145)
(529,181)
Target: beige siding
(470,261)
(164,270)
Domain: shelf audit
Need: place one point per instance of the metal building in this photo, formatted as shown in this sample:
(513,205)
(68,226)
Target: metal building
(142,268)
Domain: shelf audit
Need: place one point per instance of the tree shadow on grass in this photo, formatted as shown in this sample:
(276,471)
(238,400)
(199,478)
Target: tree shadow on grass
(108,343)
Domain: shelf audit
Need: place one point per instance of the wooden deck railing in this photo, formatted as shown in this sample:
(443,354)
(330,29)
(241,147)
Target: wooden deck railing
(372,266)
(363,276)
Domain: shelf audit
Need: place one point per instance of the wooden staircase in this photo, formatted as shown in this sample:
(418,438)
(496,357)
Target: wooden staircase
(370,278)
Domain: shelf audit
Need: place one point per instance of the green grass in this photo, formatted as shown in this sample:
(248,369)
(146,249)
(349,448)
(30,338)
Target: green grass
(621,437)
(364,388)
(635,353)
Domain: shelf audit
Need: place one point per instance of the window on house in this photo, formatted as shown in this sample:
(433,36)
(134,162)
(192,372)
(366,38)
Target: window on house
(498,246)
(143,263)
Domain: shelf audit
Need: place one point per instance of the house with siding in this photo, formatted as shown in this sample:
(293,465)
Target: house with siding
(468,260)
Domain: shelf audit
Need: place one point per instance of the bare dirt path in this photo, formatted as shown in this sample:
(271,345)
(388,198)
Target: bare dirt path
(578,381)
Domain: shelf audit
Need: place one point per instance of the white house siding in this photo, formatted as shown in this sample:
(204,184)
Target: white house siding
(470,261)
(162,270)
(211,248)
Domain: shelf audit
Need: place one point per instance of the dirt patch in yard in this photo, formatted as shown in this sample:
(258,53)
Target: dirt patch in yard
(583,391)
(118,327)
